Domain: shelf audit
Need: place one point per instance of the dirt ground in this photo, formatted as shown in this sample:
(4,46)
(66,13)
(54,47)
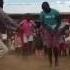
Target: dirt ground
(12,62)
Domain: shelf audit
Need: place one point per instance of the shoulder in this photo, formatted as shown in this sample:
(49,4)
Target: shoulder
(42,13)
(55,11)
(23,21)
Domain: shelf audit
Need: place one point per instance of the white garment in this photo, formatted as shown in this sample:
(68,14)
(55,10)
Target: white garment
(27,39)
(4,36)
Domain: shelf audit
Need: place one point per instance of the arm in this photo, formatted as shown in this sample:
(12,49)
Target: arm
(7,21)
(58,18)
(43,22)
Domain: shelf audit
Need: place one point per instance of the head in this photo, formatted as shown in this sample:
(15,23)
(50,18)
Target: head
(27,18)
(45,6)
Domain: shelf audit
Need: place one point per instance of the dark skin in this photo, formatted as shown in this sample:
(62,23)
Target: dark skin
(46,8)
(1,3)
(52,33)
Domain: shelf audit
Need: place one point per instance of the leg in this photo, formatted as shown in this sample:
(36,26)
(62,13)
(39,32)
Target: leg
(45,50)
(25,49)
(55,52)
(49,51)
(65,53)
(60,50)
(30,47)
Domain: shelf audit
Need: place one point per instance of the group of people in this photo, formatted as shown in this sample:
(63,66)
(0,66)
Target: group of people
(44,36)
(38,36)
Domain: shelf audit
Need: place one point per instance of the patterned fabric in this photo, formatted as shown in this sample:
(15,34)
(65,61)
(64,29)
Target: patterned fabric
(50,39)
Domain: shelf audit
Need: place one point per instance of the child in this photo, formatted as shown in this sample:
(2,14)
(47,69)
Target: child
(27,35)
(38,40)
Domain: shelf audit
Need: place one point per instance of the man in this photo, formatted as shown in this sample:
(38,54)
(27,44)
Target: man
(6,23)
(50,19)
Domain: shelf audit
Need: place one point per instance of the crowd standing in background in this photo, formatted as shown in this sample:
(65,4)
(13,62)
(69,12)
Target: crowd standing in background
(51,21)
(6,24)
(42,38)
(26,33)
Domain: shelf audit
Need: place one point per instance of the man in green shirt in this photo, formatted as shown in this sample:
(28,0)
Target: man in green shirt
(51,21)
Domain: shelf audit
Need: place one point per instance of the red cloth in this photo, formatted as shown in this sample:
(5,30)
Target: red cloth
(27,27)
(50,39)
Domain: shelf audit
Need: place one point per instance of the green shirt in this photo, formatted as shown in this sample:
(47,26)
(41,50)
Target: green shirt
(51,20)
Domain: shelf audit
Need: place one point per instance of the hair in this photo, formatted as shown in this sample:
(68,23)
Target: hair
(45,7)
